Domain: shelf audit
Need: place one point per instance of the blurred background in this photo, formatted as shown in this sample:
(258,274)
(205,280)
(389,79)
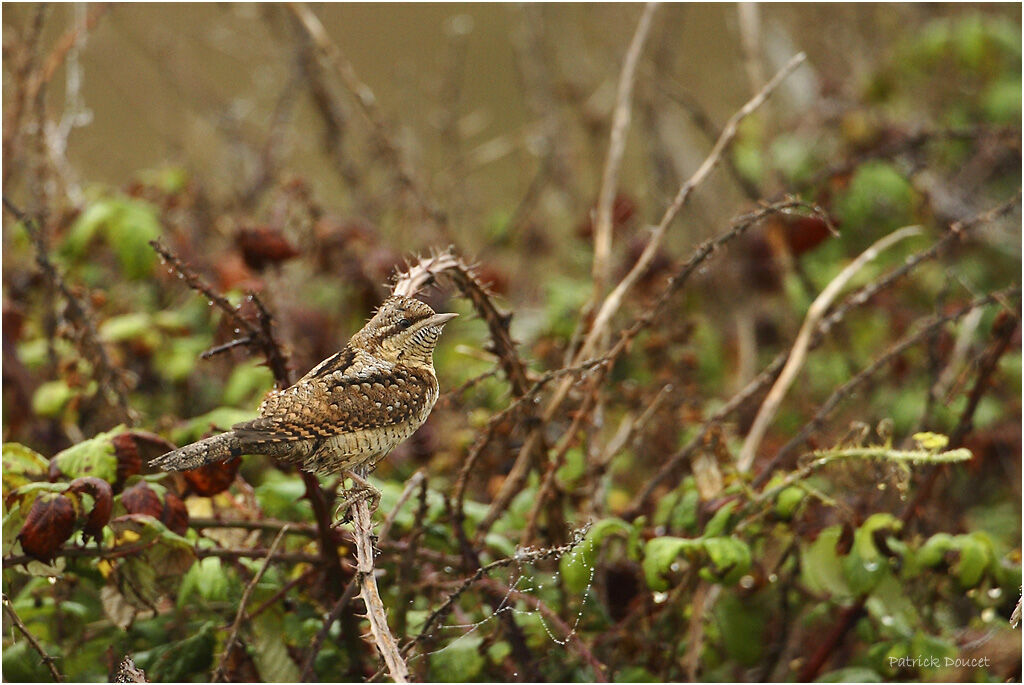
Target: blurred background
(306,167)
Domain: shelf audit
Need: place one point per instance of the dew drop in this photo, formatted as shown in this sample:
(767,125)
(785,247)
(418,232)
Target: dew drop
(747,582)
(995,593)
(870,566)
(52,580)
(660,597)
(988,615)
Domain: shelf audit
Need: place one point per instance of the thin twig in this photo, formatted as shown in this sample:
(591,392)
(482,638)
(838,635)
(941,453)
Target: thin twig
(520,469)
(616,146)
(798,355)
(614,299)
(367,104)
(219,675)
(218,349)
(414,482)
(47,659)
(1004,327)
(846,389)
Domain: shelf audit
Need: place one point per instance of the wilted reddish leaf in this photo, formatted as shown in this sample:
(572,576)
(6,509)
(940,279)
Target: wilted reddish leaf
(49,523)
(174,514)
(805,233)
(623,209)
(494,278)
(129,463)
(103,496)
(141,499)
(233,274)
(262,246)
(211,479)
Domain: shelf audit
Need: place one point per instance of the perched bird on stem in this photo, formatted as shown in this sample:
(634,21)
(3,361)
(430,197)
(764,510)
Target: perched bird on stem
(350,410)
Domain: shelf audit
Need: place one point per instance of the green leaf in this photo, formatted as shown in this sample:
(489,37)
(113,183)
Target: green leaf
(729,557)
(877,200)
(892,609)
(247,380)
(134,326)
(176,359)
(718,523)
(1001,101)
(459,662)
(659,555)
(821,569)
(21,465)
(975,555)
(270,650)
(280,496)
(92,457)
(51,397)
(933,551)
(127,224)
(742,624)
(22,664)
(788,500)
(577,566)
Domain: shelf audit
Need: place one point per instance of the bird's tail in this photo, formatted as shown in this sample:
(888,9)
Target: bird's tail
(217,448)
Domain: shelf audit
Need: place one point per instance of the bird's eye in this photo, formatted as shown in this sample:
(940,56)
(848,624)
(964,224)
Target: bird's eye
(404,323)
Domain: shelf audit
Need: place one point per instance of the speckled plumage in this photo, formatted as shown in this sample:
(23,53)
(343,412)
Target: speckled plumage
(350,410)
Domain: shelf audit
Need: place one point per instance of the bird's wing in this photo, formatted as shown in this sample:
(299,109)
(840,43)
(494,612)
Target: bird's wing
(347,392)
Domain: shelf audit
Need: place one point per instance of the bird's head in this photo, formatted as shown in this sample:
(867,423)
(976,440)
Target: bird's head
(403,330)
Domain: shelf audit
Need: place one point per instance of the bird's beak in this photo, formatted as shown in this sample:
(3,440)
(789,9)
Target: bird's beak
(441,319)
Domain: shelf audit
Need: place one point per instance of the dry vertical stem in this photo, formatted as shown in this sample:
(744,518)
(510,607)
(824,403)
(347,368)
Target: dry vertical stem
(371,596)
(520,469)
(798,356)
(846,389)
(616,146)
(614,300)
(367,102)
(219,675)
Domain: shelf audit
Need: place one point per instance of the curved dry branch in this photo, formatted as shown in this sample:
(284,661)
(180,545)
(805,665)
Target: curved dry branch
(798,355)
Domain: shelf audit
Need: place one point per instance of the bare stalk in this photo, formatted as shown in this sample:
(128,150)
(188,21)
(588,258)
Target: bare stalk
(219,675)
(382,636)
(798,356)
(616,146)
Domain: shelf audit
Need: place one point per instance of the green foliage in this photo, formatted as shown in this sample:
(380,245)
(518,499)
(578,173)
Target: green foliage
(127,225)
(577,566)
(92,457)
(721,559)
(878,200)
(459,663)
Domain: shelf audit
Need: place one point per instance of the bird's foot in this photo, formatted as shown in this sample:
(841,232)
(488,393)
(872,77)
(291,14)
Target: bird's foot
(360,490)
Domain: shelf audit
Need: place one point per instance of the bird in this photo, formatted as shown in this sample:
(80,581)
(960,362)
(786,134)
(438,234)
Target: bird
(349,411)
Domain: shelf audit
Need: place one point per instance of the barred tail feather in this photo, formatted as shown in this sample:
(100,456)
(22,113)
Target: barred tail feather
(217,448)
